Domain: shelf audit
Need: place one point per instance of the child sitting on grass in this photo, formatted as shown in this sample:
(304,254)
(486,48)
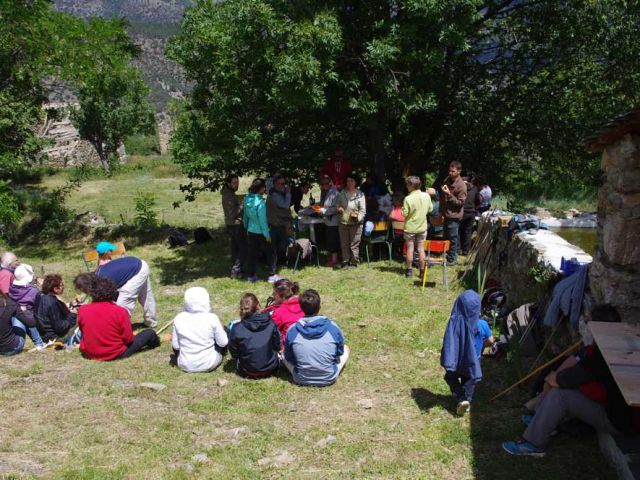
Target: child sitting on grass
(254,340)
(459,356)
(199,341)
(25,293)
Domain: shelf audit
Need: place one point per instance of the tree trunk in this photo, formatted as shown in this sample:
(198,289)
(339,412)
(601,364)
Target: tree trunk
(103,155)
(377,132)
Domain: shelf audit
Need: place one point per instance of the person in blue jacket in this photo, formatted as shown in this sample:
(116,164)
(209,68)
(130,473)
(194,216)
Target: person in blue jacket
(314,351)
(459,355)
(254,218)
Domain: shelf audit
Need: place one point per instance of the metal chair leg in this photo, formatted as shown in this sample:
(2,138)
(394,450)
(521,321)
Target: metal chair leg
(444,269)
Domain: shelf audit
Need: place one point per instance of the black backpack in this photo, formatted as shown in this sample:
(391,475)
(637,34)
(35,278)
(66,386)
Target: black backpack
(177,239)
(201,235)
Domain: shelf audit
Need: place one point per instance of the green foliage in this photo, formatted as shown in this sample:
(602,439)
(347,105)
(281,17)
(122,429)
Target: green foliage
(10,212)
(145,215)
(508,88)
(142,145)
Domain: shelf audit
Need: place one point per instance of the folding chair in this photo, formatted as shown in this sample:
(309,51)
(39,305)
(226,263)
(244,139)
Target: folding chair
(92,256)
(380,235)
(314,249)
(436,246)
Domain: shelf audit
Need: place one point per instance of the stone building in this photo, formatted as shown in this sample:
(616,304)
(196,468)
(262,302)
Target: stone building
(615,272)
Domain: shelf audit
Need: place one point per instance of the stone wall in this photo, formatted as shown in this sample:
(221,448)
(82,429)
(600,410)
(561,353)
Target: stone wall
(524,263)
(615,274)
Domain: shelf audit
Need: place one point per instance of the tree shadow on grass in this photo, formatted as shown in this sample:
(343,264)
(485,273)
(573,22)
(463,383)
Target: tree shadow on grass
(193,262)
(426,400)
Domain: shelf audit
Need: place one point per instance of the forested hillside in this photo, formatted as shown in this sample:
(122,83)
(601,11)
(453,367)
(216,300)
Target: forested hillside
(151,23)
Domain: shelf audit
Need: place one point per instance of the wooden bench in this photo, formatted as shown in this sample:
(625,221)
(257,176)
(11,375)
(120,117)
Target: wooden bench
(620,347)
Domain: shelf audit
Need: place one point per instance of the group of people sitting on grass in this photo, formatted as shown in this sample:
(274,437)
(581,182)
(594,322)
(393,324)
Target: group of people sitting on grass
(262,227)
(290,331)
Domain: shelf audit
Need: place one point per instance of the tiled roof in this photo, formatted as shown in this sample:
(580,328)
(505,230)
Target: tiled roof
(613,131)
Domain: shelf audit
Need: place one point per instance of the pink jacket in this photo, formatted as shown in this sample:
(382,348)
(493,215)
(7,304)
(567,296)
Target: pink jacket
(286,314)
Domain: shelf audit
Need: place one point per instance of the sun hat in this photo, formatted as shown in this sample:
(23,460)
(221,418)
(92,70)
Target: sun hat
(104,247)
(23,275)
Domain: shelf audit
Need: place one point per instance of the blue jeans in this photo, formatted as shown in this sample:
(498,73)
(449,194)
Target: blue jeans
(20,330)
(451,226)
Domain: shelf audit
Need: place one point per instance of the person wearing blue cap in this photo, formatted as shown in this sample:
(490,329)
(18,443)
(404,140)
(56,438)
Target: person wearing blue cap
(131,275)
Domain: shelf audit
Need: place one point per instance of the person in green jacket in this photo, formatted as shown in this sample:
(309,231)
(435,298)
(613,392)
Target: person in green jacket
(254,218)
(415,208)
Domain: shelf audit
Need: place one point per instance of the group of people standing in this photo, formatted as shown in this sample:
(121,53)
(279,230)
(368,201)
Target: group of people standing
(262,227)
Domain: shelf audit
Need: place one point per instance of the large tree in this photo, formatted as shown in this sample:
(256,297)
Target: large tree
(404,85)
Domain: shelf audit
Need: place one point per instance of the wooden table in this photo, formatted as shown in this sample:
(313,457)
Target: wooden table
(620,347)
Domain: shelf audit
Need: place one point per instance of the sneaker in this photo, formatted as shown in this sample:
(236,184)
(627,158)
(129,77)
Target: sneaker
(150,323)
(451,263)
(408,273)
(523,448)
(344,265)
(352,265)
(463,407)
(43,346)
(274,278)
(526,419)
(253,278)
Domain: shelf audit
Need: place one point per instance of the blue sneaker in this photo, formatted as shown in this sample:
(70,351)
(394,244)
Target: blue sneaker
(274,278)
(526,419)
(523,448)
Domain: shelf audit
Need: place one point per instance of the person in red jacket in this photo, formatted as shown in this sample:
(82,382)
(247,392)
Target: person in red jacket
(106,326)
(336,168)
(285,311)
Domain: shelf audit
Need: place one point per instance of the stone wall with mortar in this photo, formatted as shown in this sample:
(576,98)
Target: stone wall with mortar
(615,274)
(524,263)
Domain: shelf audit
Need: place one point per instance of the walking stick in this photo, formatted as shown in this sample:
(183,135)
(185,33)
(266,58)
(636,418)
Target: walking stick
(164,328)
(538,370)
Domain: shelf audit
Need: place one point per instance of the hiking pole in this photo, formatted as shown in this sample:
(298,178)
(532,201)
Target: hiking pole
(164,328)
(553,332)
(538,370)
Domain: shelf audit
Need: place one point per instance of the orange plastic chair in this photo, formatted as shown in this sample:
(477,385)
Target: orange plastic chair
(92,256)
(436,246)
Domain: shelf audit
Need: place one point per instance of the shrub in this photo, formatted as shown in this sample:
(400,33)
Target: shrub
(142,145)
(145,216)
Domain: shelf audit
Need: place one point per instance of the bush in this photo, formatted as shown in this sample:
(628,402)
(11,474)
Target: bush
(10,211)
(142,145)
(145,216)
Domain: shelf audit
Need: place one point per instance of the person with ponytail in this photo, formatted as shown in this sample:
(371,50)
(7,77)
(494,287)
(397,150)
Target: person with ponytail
(285,311)
(254,340)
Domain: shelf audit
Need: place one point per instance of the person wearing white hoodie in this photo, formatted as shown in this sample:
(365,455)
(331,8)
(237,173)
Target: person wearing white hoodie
(198,339)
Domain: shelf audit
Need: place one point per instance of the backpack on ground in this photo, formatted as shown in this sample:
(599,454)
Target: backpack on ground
(201,235)
(177,239)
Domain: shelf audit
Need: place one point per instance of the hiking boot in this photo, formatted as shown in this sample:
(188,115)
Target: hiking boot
(352,265)
(523,448)
(344,265)
(408,273)
(463,407)
(253,278)
(273,278)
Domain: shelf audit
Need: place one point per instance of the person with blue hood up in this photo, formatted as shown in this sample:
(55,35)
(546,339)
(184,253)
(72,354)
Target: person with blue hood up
(254,218)
(314,351)
(459,356)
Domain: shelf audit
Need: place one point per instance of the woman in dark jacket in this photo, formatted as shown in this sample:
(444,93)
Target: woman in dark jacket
(53,317)
(254,340)
(13,326)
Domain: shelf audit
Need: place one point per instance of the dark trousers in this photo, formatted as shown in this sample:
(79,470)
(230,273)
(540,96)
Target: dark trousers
(238,238)
(466,231)
(462,387)
(451,226)
(258,244)
(279,243)
(146,338)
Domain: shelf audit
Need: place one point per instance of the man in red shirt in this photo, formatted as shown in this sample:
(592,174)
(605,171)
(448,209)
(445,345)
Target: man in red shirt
(336,168)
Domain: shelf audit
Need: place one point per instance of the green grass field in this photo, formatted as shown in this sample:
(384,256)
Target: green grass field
(389,415)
